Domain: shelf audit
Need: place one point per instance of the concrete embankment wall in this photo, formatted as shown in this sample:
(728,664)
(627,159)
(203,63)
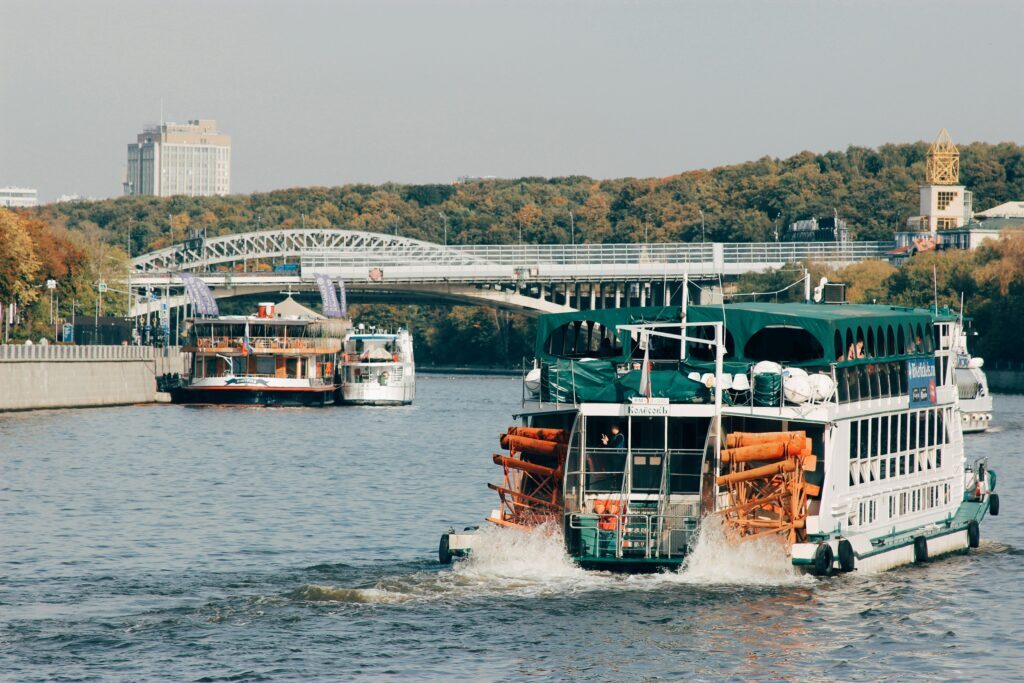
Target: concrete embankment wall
(34,377)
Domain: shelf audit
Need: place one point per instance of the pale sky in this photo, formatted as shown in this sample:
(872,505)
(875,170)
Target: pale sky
(327,93)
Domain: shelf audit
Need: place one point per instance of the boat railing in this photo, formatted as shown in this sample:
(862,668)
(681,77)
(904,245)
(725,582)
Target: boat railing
(358,358)
(635,534)
(268,343)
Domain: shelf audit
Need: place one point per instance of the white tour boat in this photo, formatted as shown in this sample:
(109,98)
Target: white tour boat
(377,368)
(260,359)
(832,428)
(971,384)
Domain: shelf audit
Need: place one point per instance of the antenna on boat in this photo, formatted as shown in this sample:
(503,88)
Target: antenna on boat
(682,312)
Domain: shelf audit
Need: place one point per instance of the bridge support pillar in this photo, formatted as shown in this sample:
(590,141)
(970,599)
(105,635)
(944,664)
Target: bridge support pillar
(593,299)
(618,295)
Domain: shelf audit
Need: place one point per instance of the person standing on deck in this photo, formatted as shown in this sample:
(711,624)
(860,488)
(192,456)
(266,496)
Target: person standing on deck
(617,440)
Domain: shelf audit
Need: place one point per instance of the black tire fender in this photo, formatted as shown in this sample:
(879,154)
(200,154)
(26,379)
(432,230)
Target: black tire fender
(444,555)
(920,549)
(823,558)
(973,534)
(993,504)
(847,559)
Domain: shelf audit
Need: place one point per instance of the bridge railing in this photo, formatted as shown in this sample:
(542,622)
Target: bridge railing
(608,254)
(761,252)
(590,254)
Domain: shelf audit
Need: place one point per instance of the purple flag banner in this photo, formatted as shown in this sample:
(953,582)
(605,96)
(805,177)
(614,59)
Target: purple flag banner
(343,298)
(332,309)
(200,295)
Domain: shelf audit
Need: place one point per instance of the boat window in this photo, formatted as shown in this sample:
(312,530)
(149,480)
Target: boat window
(704,351)
(659,348)
(291,368)
(265,365)
(605,462)
(783,344)
(687,433)
(880,342)
(890,341)
(901,345)
(647,433)
(883,445)
(870,348)
(583,339)
(851,350)
(840,355)
(238,365)
(647,450)
(211,368)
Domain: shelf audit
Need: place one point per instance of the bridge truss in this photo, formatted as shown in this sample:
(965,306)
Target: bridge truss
(525,277)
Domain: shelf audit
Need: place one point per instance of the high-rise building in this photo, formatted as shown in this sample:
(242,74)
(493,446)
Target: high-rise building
(193,159)
(18,197)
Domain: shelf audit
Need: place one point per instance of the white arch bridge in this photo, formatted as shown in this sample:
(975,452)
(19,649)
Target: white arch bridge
(537,278)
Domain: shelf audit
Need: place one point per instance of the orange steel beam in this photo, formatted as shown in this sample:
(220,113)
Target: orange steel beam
(525,444)
(556,435)
(757,472)
(736,439)
(524,465)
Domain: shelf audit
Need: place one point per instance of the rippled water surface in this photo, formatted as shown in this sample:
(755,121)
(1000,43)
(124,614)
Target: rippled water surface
(251,544)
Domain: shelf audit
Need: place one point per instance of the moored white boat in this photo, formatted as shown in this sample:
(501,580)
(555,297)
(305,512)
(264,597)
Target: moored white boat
(378,368)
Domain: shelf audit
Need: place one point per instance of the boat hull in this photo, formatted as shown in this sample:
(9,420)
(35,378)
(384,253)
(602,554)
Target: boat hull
(371,394)
(254,396)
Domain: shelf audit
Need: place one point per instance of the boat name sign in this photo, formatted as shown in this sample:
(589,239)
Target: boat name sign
(644,406)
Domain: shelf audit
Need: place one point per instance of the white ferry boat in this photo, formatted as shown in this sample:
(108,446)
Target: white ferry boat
(259,360)
(377,368)
(972,386)
(834,429)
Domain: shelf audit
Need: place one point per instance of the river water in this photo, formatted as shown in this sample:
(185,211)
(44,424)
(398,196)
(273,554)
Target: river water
(205,544)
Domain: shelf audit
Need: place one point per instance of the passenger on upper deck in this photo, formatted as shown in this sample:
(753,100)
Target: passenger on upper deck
(617,440)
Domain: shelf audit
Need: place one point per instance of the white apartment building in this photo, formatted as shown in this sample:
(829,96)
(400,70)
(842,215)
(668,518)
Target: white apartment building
(18,197)
(192,159)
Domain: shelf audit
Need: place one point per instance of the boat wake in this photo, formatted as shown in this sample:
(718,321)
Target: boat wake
(534,564)
(714,560)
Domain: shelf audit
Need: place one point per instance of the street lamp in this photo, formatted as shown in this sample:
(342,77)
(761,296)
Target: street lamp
(445,219)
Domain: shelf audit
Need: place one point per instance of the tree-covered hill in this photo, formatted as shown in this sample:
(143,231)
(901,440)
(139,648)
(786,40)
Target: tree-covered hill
(874,189)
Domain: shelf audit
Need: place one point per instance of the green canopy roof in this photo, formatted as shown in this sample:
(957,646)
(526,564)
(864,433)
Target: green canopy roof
(886,330)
